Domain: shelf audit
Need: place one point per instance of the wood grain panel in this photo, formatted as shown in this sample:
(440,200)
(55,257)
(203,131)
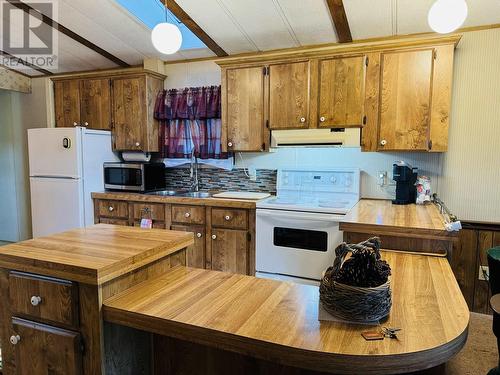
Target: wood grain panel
(113,209)
(342,92)
(405,99)
(289,95)
(339,18)
(243,114)
(486,240)
(67,103)
(59,298)
(45,349)
(149,211)
(229,218)
(129,113)
(195,252)
(441,98)
(229,251)
(107,220)
(8,359)
(95,96)
(150,129)
(188,214)
(278,321)
(369,132)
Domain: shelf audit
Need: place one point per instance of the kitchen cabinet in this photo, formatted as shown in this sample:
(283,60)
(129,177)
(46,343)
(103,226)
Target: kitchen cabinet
(196,252)
(243,108)
(289,85)
(95,103)
(229,250)
(42,349)
(397,92)
(67,103)
(342,91)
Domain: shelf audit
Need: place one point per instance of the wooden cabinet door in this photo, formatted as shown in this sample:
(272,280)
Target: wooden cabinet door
(289,85)
(196,252)
(95,95)
(44,349)
(405,100)
(244,109)
(229,250)
(341,92)
(129,113)
(67,103)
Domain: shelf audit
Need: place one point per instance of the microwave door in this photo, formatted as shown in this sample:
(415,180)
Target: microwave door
(120,178)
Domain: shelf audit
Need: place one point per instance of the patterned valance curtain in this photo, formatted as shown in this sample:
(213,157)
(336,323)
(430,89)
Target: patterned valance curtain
(190,119)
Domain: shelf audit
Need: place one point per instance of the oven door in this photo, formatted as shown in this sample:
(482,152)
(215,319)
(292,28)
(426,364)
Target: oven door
(128,177)
(298,244)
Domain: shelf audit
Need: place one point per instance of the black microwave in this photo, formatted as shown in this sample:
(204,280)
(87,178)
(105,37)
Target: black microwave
(138,177)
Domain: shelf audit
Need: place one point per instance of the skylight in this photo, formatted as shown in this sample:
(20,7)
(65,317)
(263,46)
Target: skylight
(151,12)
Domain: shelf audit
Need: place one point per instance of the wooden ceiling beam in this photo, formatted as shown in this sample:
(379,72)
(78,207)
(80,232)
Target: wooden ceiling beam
(194,27)
(25,63)
(339,18)
(69,33)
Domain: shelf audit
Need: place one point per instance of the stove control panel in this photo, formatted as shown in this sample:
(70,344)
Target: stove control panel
(319,181)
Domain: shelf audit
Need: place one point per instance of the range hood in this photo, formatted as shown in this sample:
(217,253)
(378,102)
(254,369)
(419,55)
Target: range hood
(348,137)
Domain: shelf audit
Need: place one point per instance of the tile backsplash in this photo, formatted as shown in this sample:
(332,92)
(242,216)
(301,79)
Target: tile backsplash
(220,179)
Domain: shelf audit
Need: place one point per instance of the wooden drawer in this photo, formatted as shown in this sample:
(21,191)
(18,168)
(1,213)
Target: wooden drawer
(149,211)
(44,297)
(107,220)
(188,214)
(113,209)
(229,218)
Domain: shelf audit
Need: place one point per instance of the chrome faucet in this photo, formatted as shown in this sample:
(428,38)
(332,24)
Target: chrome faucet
(195,186)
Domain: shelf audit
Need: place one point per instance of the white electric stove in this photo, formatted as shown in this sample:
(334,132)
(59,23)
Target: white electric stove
(298,230)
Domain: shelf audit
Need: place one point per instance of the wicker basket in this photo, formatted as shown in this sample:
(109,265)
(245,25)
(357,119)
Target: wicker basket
(352,302)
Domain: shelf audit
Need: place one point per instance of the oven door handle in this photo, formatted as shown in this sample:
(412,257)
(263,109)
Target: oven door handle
(299,215)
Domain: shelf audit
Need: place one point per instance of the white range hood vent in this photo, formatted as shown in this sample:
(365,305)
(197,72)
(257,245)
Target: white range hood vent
(345,137)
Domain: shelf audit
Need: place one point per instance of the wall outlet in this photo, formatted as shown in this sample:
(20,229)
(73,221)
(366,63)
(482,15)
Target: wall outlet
(484,273)
(382,178)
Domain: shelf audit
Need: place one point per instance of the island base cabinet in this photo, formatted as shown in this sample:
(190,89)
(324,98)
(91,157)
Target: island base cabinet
(41,349)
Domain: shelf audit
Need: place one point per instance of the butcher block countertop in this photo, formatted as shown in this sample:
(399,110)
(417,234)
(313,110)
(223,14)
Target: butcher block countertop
(278,321)
(137,197)
(95,254)
(370,215)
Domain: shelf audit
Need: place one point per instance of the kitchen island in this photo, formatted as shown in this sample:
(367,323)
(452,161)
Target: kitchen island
(218,323)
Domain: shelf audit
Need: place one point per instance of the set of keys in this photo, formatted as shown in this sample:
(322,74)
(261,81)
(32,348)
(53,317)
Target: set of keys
(385,332)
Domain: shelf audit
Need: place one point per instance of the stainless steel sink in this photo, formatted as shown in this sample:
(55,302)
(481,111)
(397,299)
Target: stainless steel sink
(168,193)
(197,194)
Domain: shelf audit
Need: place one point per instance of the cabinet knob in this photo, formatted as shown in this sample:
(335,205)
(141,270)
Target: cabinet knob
(36,300)
(75,124)
(14,339)
(86,123)
(302,119)
(137,144)
(110,208)
(322,119)
(383,142)
(187,214)
(198,235)
(227,217)
(214,237)
(230,144)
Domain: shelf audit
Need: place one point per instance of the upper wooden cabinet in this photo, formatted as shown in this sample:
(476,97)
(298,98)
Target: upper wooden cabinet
(243,108)
(121,100)
(398,92)
(342,91)
(289,85)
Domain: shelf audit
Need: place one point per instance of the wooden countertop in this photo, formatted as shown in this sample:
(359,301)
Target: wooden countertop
(376,215)
(278,321)
(137,197)
(95,254)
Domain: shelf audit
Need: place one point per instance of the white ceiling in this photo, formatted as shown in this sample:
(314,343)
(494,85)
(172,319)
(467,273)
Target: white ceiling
(242,26)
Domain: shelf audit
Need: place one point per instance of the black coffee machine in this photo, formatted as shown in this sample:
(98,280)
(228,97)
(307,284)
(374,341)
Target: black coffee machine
(406,177)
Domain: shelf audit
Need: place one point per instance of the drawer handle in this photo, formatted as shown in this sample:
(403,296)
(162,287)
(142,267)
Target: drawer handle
(36,300)
(75,124)
(383,142)
(110,208)
(137,144)
(230,144)
(302,119)
(86,123)
(198,235)
(227,217)
(14,339)
(214,237)
(187,214)
(322,119)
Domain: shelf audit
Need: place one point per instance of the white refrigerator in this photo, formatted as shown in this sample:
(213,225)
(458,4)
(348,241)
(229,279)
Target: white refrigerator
(66,166)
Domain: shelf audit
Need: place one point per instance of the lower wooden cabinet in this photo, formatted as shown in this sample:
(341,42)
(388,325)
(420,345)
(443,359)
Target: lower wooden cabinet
(41,349)
(229,250)
(196,256)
